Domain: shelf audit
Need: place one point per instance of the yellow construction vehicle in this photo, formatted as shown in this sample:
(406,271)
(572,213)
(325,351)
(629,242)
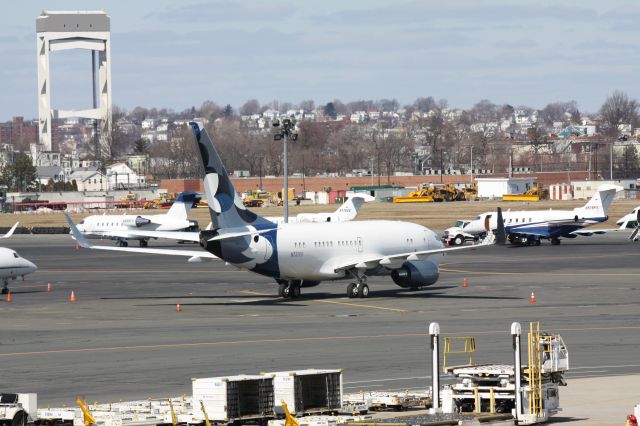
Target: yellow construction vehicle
(536,193)
(257,198)
(423,194)
(470,192)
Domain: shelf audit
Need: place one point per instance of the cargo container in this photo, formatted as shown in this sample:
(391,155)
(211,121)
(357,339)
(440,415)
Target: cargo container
(308,391)
(233,398)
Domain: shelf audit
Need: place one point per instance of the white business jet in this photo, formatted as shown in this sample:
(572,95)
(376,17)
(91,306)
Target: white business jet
(12,265)
(302,254)
(122,227)
(529,227)
(346,212)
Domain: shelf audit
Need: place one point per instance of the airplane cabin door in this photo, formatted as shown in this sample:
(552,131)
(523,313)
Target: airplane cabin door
(359,244)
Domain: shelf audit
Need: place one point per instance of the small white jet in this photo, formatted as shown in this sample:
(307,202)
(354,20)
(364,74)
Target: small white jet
(303,254)
(631,221)
(529,227)
(122,227)
(12,265)
(346,212)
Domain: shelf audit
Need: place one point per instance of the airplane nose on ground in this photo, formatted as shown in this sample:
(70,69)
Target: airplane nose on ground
(31,267)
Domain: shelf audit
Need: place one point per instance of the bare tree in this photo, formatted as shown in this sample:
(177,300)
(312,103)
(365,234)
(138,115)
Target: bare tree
(619,109)
(250,107)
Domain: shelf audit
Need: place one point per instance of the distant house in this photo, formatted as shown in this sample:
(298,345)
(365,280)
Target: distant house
(88,179)
(48,173)
(121,176)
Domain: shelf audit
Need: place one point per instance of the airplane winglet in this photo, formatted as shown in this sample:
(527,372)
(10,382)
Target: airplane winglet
(77,235)
(11,231)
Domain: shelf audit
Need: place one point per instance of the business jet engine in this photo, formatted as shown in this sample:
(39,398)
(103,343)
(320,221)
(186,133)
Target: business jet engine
(414,274)
(137,221)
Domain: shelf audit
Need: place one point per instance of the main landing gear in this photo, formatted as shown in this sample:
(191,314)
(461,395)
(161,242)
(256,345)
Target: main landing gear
(288,289)
(144,243)
(122,243)
(555,241)
(359,288)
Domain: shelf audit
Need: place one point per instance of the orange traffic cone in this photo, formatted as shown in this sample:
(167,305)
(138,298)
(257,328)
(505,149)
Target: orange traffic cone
(532,299)
(178,307)
(72,298)
(8,296)
(48,287)
(465,283)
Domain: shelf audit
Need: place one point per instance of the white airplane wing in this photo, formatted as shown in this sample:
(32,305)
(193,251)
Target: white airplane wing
(11,231)
(396,260)
(194,255)
(170,235)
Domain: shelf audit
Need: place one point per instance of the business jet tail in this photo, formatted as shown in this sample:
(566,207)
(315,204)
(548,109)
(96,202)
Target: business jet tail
(349,210)
(225,206)
(181,207)
(599,204)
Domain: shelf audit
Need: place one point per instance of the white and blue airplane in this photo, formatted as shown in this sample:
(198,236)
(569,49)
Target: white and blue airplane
(631,221)
(123,227)
(303,254)
(12,265)
(529,227)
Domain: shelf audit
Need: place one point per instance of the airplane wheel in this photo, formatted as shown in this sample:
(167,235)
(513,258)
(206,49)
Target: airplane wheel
(363,291)
(295,292)
(281,288)
(286,292)
(352,290)
(4,290)
(143,243)
(125,244)
(537,242)
(555,242)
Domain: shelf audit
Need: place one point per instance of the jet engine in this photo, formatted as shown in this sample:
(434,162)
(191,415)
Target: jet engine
(138,221)
(414,274)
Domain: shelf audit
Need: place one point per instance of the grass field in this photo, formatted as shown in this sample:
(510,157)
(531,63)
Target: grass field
(437,216)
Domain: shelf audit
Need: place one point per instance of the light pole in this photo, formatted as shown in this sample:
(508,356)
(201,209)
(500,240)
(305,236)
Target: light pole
(287,130)
(472,164)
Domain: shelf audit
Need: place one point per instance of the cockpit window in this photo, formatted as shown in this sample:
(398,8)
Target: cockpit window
(476,218)
(16,255)
(82,222)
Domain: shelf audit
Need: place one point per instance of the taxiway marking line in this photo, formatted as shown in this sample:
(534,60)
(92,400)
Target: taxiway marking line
(463,271)
(205,344)
(290,339)
(362,306)
(333,302)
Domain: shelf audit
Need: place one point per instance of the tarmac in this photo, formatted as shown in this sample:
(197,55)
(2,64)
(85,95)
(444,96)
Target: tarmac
(123,339)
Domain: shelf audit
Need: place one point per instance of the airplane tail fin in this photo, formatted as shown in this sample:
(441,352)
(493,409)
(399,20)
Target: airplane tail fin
(349,210)
(225,206)
(599,204)
(181,207)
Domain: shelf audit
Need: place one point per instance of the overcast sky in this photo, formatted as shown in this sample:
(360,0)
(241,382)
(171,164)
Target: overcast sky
(176,54)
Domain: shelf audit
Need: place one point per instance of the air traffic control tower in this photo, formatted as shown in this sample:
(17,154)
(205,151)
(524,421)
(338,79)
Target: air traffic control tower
(75,30)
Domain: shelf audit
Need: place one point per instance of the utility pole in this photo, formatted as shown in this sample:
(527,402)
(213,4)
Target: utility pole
(286,131)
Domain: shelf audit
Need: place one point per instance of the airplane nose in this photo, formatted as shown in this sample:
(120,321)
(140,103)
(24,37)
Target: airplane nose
(32,267)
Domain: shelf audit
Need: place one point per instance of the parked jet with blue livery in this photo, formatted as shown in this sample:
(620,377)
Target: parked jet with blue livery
(529,227)
(303,254)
